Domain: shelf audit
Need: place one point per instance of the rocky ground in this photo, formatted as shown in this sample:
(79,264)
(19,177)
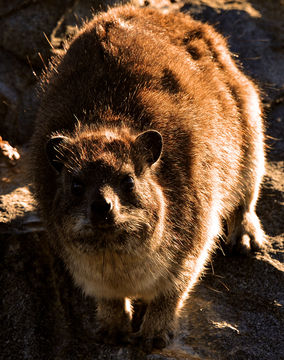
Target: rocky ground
(237,310)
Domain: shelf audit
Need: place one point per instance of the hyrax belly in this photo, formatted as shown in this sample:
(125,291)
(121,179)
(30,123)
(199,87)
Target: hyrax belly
(147,139)
(109,275)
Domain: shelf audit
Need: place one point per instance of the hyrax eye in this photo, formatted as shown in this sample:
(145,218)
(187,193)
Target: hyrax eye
(77,187)
(127,183)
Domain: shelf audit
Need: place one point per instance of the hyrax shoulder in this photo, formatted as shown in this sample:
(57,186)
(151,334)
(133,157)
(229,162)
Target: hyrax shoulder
(148,137)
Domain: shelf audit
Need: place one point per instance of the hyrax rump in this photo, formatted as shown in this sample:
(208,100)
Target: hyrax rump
(147,140)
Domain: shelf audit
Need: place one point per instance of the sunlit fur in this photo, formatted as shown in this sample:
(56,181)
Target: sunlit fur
(127,72)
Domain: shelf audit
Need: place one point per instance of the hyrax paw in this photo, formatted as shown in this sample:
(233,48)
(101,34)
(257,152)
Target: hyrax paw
(245,243)
(247,237)
(147,342)
(112,336)
(248,243)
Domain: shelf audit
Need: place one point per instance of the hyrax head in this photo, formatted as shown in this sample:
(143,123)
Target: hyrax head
(107,193)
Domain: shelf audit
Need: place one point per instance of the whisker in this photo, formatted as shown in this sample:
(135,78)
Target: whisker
(47,39)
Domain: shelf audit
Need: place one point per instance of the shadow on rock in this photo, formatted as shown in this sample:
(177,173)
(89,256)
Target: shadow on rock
(236,308)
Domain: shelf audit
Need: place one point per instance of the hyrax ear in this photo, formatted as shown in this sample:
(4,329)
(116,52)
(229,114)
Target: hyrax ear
(52,152)
(149,146)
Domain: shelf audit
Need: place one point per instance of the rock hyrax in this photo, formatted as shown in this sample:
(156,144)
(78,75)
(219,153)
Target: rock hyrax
(147,140)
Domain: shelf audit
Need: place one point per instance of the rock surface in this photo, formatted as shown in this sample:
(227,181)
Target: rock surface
(237,310)
(30,32)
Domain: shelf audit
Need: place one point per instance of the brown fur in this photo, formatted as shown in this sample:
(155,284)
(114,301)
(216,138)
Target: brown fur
(128,72)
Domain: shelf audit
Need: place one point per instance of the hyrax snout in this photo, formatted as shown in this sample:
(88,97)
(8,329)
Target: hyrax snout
(148,139)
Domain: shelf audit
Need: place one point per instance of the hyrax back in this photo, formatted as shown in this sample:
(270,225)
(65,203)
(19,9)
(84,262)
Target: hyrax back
(148,137)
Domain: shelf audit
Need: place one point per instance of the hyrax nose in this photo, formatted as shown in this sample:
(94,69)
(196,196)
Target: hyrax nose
(101,210)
